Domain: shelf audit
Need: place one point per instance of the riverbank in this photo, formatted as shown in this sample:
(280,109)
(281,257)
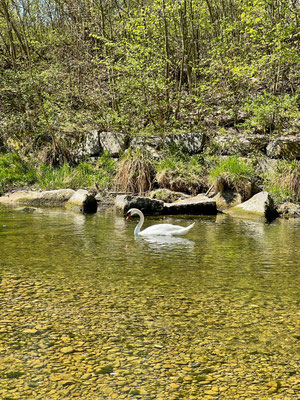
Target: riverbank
(171,167)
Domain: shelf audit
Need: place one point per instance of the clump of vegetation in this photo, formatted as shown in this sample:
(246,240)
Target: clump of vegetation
(233,173)
(135,172)
(283,183)
(85,175)
(269,112)
(15,171)
(183,174)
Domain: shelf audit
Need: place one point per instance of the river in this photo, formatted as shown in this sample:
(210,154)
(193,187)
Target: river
(90,312)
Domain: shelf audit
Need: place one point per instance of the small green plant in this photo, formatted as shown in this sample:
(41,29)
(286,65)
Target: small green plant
(233,173)
(15,171)
(284,181)
(135,171)
(269,112)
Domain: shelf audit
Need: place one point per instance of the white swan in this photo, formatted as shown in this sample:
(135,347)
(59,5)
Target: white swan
(159,229)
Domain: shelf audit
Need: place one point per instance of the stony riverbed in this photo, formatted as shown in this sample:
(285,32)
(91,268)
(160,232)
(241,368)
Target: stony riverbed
(71,342)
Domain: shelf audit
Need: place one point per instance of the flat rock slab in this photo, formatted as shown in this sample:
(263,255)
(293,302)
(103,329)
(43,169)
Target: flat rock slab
(260,205)
(168,196)
(47,198)
(148,206)
(197,205)
(81,200)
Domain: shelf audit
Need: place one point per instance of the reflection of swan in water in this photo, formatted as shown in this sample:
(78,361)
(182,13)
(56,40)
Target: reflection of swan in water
(159,229)
(166,243)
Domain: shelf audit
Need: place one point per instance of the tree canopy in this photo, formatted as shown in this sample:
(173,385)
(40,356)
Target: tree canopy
(67,66)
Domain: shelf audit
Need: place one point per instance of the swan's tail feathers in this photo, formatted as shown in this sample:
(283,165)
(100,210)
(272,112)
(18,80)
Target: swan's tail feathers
(188,228)
(184,231)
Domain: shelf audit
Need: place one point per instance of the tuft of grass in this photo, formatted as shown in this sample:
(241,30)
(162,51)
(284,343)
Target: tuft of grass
(233,173)
(283,183)
(15,171)
(135,172)
(182,173)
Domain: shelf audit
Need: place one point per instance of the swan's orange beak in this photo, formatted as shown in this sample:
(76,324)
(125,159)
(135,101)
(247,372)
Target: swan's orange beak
(128,216)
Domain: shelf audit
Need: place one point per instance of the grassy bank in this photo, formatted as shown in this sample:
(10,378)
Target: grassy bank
(136,172)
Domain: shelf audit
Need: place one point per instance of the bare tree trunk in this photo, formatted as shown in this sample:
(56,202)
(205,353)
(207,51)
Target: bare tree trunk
(167,54)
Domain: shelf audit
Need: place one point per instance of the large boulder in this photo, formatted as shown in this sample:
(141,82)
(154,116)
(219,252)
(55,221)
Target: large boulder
(49,198)
(285,147)
(82,201)
(151,144)
(240,144)
(148,206)
(260,205)
(198,205)
(91,145)
(191,143)
(114,143)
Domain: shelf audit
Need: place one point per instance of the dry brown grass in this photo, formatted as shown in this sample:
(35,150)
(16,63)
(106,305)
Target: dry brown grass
(135,172)
(284,181)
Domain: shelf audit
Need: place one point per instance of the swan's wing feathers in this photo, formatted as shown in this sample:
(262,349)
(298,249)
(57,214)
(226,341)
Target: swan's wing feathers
(166,229)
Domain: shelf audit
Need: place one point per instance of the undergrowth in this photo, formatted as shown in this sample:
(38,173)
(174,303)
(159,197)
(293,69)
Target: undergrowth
(182,173)
(233,173)
(15,171)
(283,183)
(84,175)
(135,172)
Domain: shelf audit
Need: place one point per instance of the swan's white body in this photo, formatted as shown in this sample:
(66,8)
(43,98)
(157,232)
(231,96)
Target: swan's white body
(159,229)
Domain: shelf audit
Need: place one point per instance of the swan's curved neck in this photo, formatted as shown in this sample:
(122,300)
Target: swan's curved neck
(141,221)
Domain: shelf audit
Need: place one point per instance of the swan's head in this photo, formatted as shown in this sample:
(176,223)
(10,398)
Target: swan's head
(133,211)
(128,215)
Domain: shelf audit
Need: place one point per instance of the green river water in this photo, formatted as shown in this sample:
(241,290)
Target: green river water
(90,312)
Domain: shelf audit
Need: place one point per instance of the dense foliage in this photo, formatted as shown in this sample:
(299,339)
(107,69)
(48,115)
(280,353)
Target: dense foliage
(141,65)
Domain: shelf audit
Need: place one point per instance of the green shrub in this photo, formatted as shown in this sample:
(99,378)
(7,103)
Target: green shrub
(233,173)
(269,112)
(15,171)
(283,183)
